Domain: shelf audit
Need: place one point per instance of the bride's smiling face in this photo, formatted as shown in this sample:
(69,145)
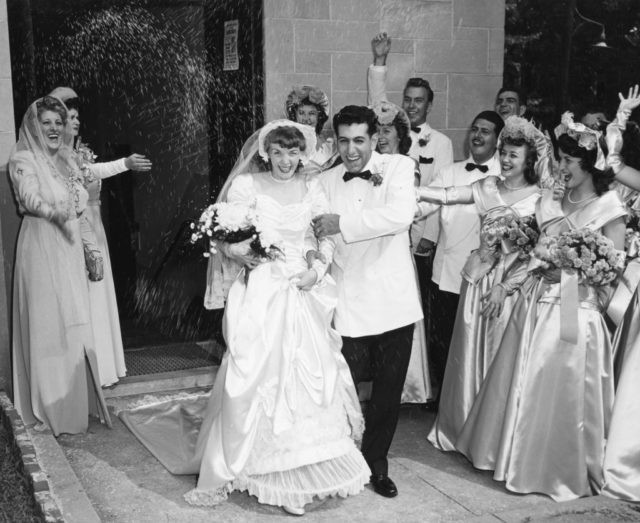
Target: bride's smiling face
(284,161)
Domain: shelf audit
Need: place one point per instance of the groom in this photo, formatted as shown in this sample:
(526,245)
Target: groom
(372,200)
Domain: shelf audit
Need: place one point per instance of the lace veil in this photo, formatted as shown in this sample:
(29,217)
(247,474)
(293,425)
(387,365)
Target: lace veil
(52,172)
(221,271)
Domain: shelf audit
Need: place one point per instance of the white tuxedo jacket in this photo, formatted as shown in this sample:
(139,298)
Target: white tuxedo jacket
(372,266)
(459,225)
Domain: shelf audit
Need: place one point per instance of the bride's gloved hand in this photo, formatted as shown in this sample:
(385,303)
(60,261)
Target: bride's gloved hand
(242,253)
(305,280)
(312,256)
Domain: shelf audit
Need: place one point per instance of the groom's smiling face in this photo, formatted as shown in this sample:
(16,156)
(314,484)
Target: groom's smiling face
(355,145)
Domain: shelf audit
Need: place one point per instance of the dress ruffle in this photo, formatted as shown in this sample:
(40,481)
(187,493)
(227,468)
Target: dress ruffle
(343,476)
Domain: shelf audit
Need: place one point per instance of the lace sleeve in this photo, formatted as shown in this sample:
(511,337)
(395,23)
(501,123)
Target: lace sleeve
(27,188)
(325,246)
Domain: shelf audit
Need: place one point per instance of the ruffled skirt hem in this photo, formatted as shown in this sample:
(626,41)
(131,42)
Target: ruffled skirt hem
(343,476)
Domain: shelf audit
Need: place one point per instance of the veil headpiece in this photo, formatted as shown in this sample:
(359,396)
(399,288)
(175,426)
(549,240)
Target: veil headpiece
(519,128)
(314,94)
(63,93)
(221,271)
(586,137)
(52,171)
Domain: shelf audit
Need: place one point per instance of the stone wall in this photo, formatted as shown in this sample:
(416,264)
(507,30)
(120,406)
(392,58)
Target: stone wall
(455,44)
(8,217)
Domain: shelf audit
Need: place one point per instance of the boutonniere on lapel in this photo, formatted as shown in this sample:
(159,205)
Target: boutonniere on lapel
(424,140)
(376,179)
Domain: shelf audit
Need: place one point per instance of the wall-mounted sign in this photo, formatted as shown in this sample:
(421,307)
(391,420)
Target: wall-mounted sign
(231,61)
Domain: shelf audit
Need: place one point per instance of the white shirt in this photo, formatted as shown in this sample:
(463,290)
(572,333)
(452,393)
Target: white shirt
(438,147)
(372,265)
(459,225)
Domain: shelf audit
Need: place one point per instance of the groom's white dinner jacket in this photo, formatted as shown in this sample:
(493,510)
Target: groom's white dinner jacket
(372,264)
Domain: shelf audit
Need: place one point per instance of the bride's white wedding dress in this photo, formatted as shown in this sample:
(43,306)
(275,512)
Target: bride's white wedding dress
(283,413)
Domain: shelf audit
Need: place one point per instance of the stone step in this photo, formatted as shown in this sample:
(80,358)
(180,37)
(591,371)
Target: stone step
(201,377)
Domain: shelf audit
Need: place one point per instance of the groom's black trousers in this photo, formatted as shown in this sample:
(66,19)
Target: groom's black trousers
(382,359)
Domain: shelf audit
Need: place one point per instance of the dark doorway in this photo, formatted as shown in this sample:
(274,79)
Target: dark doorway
(152,80)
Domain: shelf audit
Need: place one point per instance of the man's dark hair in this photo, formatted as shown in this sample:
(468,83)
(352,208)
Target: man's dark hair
(420,82)
(493,117)
(522,97)
(355,114)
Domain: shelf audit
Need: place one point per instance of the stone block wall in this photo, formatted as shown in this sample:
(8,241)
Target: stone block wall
(457,45)
(8,218)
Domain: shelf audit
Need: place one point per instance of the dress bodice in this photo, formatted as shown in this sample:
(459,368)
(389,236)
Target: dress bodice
(291,221)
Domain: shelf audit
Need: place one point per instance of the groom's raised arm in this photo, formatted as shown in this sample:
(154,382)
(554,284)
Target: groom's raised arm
(391,217)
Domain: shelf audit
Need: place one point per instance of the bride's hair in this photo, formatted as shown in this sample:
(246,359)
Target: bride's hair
(50,103)
(286,137)
(601,179)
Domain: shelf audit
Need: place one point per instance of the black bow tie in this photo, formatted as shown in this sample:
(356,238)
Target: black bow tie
(471,166)
(426,160)
(365,175)
(416,130)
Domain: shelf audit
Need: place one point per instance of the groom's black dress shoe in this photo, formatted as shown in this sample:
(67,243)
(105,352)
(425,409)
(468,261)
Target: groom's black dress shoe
(383,485)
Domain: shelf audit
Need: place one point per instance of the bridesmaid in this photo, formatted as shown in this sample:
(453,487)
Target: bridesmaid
(491,275)
(622,453)
(309,105)
(54,369)
(102,295)
(540,419)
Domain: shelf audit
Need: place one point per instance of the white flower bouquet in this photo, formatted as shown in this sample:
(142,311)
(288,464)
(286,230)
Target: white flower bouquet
(235,222)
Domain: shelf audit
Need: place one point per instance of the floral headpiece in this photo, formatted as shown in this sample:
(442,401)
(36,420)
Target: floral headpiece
(314,94)
(586,137)
(386,113)
(519,128)
(309,134)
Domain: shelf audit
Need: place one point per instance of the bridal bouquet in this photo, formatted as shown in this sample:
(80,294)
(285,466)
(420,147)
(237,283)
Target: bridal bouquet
(583,251)
(235,222)
(521,233)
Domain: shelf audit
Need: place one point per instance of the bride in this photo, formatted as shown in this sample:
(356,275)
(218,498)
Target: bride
(283,413)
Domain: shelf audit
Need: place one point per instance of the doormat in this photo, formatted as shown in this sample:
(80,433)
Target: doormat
(157,359)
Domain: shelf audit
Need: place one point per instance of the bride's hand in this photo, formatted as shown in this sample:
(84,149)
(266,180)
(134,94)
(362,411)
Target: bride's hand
(242,253)
(312,256)
(305,280)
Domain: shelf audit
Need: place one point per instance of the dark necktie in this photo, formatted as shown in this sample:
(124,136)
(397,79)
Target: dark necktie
(416,130)
(426,160)
(471,166)
(365,175)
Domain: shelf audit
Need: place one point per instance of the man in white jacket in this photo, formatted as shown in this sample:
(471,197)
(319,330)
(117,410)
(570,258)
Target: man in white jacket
(372,202)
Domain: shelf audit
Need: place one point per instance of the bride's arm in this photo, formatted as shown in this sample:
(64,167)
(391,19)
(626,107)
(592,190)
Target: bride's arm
(319,253)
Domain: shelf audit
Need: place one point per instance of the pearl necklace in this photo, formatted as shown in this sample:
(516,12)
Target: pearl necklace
(588,197)
(281,181)
(508,188)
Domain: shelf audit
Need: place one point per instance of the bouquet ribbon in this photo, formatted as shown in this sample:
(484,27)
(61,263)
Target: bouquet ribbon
(624,291)
(569,303)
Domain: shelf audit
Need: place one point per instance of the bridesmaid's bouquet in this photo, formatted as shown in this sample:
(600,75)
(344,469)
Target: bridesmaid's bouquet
(583,251)
(521,233)
(235,222)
